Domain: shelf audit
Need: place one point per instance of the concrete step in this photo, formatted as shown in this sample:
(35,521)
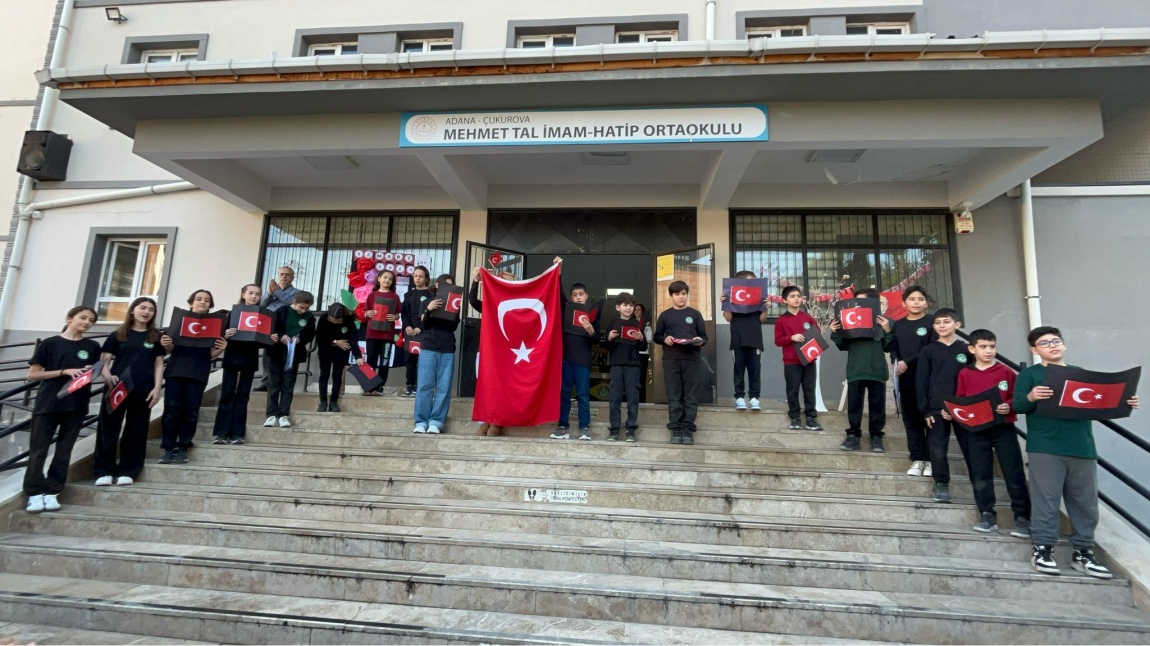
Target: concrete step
(586,596)
(791,532)
(20,633)
(1006,579)
(234,617)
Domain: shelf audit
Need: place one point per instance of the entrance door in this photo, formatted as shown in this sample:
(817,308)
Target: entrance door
(696,267)
(506,263)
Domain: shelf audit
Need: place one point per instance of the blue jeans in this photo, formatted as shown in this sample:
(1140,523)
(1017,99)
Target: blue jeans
(433,393)
(580,377)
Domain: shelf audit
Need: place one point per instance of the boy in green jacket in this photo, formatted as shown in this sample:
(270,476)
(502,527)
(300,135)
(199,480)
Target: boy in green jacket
(867,373)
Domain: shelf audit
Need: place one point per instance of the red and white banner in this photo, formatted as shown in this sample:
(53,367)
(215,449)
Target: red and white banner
(520,360)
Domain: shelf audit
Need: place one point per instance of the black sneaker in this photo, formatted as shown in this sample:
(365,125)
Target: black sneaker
(334,408)
(1084,562)
(322,407)
(676,436)
(813,425)
(180,456)
(688,437)
(987,522)
(796,425)
(236,440)
(876,445)
(1042,558)
(630,435)
(941,492)
(1021,528)
(168,456)
(852,443)
(219,440)
(409,392)
(613,435)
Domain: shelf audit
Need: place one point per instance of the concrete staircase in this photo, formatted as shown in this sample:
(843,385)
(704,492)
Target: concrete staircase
(348,528)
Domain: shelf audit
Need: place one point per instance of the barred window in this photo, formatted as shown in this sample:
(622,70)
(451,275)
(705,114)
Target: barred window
(826,252)
(321,248)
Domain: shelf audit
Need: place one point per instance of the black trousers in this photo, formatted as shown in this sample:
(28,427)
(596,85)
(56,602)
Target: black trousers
(132,417)
(747,362)
(379,352)
(44,427)
(412,370)
(644,373)
(681,379)
(912,419)
(799,376)
(332,367)
(281,387)
(875,392)
(1003,441)
(182,400)
(938,439)
(624,381)
(232,413)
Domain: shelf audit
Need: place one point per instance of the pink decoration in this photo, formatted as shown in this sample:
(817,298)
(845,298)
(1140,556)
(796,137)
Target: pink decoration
(362,292)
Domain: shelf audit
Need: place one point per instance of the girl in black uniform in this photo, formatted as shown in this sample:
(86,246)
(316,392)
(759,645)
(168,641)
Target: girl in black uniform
(241,360)
(133,350)
(411,314)
(56,361)
(335,340)
(187,376)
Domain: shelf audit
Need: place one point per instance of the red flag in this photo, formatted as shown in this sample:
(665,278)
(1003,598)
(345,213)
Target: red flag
(631,332)
(1088,394)
(857,318)
(746,296)
(812,347)
(119,394)
(413,346)
(197,330)
(971,415)
(520,351)
(252,323)
(1079,394)
(82,380)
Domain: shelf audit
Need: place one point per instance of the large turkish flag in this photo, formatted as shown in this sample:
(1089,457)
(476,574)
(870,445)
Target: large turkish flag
(520,361)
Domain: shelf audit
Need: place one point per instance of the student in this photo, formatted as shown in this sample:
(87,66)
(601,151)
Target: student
(866,377)
(910,336)
(335,345)
(1001,439)
(380,343)
(295,326)
(436,361)
(134,349)
(680,329)
(624,358)
(645,353)
(1063,465)
(241,359)
(576,370)
(279,294)
(938,366)
(485,428)
(411,316)
(747,346)
(790,328)
(57,359)
(186,377)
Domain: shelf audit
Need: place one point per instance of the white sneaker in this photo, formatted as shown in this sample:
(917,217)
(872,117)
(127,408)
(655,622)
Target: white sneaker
(103,481)
(419,429)
(560,434)
(124,481)
(285,422)
(916,468)
(50,502)
(755,404)
(740,404)
(35,504)
(928,471)
(433,430)
(270,421)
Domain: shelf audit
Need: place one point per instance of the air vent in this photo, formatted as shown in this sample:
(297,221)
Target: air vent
(607,158)
(834,156)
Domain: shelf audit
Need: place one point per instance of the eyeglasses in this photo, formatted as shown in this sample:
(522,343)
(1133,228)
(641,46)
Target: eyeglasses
(1051,343)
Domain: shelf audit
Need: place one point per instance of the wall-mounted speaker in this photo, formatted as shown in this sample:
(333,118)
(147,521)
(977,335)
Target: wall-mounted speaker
(44,156)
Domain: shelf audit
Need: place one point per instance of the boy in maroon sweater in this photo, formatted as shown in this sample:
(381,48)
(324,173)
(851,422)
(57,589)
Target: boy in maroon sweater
(790,329)
(985,374)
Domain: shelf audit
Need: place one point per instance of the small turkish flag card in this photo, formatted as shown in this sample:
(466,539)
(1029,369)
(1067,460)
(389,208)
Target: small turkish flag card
(858,318)
(629,332)
(977,412)
(82,380)
(452,297)
(196,330)
(252,323)
(576,314)
(366,376)
(745,295)
(812,347)
(412,345)
(119,394)
(383,306)
(895,308)
(1086,394)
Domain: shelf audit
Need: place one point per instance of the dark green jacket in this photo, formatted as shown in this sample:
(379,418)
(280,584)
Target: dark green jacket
(866,358)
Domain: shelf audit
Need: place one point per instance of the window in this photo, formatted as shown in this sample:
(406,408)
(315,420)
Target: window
(778,32)
(169,55)
(543,42)
(427,45)
(878,29)
(646,36)
(131,268)
(824,253)
(333,49)
(321,249)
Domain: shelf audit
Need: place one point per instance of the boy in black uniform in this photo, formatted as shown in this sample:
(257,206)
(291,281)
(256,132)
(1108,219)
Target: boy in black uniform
(681,331)
(624,341)
(938,366)
(747,346)
(576,370)
(292,324)
(334,343)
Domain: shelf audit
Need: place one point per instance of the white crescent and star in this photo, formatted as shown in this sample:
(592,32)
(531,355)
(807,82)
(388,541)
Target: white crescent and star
(455,304)
(118,397)
(741,295)
(848,320)
(958,412)
(1074,395)
(523,353)
(812,351)
(251,322)
(194,328)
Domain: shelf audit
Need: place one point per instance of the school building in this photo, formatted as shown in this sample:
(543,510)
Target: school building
(822,143)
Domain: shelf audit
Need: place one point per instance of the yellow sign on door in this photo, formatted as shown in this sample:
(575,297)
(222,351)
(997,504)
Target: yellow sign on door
(665,267)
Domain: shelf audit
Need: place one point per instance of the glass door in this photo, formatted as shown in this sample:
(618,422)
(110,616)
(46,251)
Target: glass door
(506,263)
(696,267)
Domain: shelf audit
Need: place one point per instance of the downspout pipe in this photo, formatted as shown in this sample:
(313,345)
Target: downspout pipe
(710,19)
(1030,257)
(35,211)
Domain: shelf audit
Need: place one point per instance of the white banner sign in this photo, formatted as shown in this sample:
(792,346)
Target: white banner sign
(610,126)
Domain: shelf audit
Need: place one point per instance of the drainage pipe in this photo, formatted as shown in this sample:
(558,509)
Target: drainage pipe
(710,19)
(1030,257)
